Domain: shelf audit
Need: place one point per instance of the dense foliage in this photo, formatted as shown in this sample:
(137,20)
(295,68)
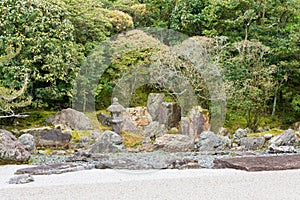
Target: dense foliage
(48,51)
(256,43)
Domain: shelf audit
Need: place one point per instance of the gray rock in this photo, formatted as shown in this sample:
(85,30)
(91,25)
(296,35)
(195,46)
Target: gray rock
(95,134)
(154,129)
(108,142)
(253,143)
(123,163)
(70,118)
(174,143)
(28,142)
(11,150)
(268,136)
(138,164)
(129,125)
(223,132)
(240,133)
(248,130)
(287,138)
(154,104)
(21,179)
(55,168)
(281,149)
(195,123)
(104,119)
(147,144)
(185,163)
(169,114)
(49,137)
(208,141)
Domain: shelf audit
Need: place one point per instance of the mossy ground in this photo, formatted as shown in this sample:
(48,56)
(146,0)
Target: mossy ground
(274,132)
(132,140)
(236,119)
(35,119)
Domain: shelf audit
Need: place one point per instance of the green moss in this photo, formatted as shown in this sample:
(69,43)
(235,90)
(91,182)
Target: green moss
(131,140)
(274,132)
(35,119)
(77,134)
(173,131)
(235,119)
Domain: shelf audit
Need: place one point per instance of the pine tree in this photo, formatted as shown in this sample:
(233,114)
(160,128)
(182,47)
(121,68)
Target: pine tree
(11,99)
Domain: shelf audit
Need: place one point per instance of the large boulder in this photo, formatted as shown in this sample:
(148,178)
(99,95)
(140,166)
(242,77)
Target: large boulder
(154,104)
(70,118)
(195,123)
(287,138)
(49,137)
(252,143)
(11,150)
(170,114)
(174,143)
(108,142)
(28,142)
(209,141)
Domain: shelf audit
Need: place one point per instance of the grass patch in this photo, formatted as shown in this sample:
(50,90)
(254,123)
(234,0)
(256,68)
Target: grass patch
(131,140)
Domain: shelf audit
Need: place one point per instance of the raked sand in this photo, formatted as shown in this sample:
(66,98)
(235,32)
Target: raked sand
(149,184)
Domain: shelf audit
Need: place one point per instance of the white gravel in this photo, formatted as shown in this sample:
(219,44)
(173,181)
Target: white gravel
(150,184)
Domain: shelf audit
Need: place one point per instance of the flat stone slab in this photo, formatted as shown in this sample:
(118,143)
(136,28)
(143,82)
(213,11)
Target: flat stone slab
(261,163)
(54,169)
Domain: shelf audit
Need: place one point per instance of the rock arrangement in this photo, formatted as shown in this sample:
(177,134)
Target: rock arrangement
(170,142)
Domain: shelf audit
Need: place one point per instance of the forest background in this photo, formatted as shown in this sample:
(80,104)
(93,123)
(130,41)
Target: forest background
(256,44)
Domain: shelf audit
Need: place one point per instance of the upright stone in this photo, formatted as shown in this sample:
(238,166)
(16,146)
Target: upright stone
(195,123)
(154,104)
(170,114)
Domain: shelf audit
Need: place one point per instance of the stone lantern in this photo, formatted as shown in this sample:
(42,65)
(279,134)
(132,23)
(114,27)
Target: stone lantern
(116,119)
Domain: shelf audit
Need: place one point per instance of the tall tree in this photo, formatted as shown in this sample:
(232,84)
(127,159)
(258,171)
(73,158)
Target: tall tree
(48,49)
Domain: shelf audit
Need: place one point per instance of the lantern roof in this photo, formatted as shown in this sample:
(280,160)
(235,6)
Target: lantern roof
(115,106)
